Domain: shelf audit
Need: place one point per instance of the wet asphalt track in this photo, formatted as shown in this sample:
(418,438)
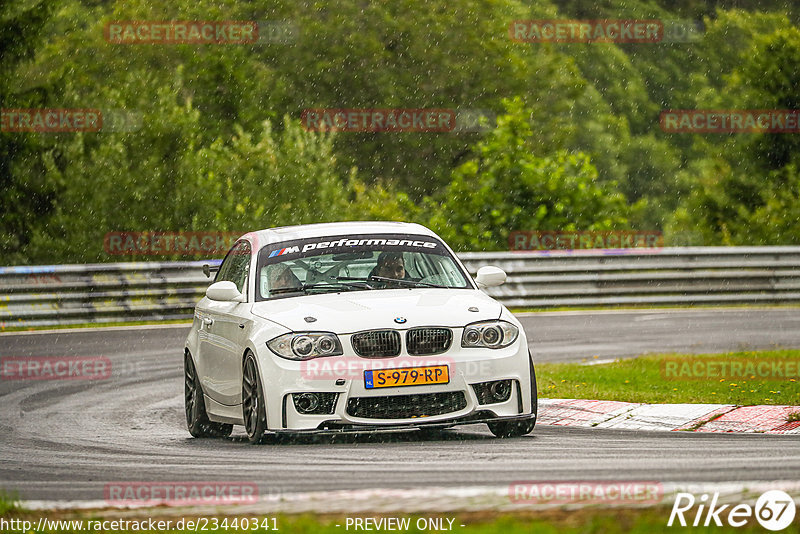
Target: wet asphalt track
(64,440)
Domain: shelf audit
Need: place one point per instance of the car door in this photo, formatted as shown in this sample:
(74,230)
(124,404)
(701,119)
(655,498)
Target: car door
(224,327)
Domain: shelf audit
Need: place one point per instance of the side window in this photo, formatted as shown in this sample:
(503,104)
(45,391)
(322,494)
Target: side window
(236,266)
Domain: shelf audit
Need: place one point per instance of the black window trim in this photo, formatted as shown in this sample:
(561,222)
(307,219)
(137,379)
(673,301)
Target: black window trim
(249,260)
(449,253)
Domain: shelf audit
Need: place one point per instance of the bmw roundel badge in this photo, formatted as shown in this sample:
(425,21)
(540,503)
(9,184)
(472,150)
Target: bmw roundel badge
(400,320)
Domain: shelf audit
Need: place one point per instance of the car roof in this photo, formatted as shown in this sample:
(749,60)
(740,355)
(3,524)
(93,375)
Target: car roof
(269,236)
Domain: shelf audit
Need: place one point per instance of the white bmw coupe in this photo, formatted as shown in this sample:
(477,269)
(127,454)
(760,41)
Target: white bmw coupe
(358,326)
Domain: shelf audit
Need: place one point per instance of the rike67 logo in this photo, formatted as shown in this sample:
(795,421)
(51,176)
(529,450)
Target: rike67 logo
(774,510)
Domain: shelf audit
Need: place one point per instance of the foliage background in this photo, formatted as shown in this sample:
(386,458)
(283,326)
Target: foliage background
(213,141)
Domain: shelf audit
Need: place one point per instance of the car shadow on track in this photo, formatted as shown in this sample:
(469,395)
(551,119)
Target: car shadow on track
(405,436)
(474,433)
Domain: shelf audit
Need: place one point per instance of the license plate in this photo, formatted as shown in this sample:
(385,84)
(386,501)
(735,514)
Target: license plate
(412,376)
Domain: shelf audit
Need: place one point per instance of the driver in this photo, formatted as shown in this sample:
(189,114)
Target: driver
(390,265)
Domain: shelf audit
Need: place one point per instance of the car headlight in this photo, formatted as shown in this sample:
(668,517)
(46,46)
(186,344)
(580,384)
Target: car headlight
(491,334)
(305,345)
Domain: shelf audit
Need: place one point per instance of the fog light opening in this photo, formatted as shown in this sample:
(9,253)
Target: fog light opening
(306,402)
(500,390)
(493,392)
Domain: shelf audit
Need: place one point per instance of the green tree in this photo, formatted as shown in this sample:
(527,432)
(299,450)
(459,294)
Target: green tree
(24,196)
(166,177)
(505,186)
(739,200)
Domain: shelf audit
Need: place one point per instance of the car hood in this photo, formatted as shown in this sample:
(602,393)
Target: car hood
(354,311)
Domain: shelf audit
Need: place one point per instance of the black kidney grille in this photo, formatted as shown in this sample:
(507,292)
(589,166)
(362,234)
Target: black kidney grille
(406,406)
(376,343)
(423,341)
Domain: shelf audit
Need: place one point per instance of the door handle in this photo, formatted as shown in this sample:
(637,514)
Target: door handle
(208,321)
(241,325)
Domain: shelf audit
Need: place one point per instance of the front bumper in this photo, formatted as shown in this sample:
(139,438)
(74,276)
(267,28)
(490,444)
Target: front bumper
(343,376)
(335,427)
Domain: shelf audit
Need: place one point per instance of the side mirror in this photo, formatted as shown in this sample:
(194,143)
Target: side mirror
(489,276)
(224,292)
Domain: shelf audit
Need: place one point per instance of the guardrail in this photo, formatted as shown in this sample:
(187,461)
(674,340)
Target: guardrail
(151,291)
(69,294)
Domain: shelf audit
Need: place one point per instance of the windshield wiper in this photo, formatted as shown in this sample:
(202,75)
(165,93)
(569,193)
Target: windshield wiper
(282,290)
(385,279)
(416,283)
(347,281)
(339,283)
(320,285)
(353,281)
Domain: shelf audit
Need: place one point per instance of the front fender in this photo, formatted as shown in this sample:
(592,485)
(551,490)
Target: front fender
(192,343)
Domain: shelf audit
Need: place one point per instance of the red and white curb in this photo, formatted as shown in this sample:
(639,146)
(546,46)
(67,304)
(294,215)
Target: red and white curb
(695,417)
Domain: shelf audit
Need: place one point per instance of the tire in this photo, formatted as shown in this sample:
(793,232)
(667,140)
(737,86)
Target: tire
(515,429)
(195,406)
(254,410)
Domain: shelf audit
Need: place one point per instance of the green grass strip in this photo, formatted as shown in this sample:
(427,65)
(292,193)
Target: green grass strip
(648,379)
(555,521)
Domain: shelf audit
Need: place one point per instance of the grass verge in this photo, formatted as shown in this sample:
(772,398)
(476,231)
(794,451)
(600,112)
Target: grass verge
(9,503)
(648,379)
(555,521)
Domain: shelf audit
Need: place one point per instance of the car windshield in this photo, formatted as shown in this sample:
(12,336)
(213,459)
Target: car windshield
(356,263)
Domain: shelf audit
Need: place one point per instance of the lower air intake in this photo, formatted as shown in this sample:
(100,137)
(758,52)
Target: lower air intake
(406,406)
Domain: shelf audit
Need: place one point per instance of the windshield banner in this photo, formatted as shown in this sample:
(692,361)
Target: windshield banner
(349,244)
